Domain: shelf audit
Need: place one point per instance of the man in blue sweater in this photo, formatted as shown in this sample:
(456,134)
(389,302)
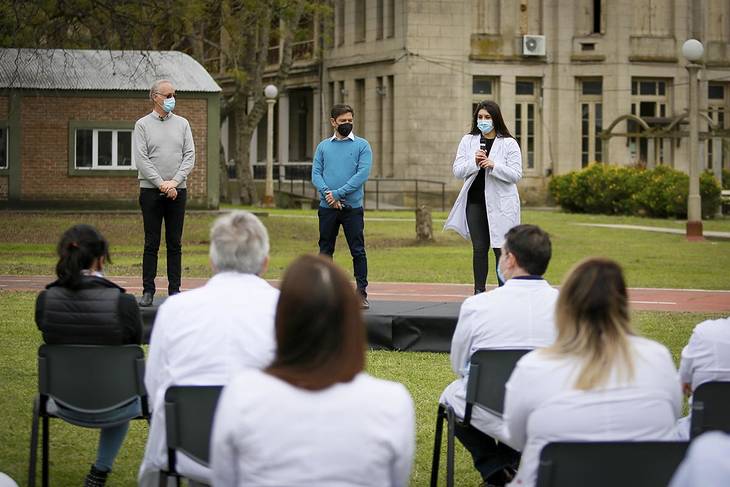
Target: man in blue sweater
(339,171)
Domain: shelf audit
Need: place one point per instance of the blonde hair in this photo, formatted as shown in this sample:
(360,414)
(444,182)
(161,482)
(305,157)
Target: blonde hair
(593,323)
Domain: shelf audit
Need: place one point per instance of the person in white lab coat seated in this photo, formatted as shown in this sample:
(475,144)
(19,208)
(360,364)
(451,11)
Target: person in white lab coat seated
(706,358)
(314,417)
(518,315)
(489,161)
(706,463)
(206,335)
(598,382)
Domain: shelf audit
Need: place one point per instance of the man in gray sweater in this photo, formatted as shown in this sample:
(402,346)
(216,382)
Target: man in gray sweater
(164,154)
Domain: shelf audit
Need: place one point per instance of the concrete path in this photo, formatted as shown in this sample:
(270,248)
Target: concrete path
(676,231)
(655,299)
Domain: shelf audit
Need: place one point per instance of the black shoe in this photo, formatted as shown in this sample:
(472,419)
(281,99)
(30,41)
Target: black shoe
(146,300)
(96,478)
(364,304)
(172,293)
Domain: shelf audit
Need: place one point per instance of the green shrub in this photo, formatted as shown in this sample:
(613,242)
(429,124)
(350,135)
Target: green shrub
(660,192)
(599,188)
(725,179)
(710,192)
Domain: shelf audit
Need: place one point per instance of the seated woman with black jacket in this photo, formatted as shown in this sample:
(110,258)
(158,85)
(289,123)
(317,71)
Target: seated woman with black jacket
(83,308)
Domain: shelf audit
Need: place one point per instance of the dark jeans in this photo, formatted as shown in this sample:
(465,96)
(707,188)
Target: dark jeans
(157,207)
(353,224)
(489,456)
(476,220)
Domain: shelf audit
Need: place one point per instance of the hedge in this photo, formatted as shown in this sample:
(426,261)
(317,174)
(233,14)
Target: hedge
(627,190)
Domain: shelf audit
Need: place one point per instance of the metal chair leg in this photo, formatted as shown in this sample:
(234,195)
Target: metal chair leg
(450,423)
(32,461)
(440,415)
(45,448)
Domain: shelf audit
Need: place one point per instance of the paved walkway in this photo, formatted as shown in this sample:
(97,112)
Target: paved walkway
(676,231)
(655,299)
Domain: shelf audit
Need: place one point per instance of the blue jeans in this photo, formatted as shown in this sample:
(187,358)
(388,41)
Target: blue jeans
(353,223)
(112,437)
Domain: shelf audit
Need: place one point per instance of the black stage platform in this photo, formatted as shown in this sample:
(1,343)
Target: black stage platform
(392,325)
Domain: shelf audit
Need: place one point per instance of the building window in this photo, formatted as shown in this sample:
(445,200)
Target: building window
(340,22)
(3,147)
(380,15)
(718,102)
(390,16)
(360,20)
(483,88)
(103,149)
(591,121)
(527,121)
(649,101)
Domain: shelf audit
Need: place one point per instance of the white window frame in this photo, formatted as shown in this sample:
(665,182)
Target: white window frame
(593,103)
(660,150)
(95,150)
(526,102)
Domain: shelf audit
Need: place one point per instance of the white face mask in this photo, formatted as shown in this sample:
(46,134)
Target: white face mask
(485,126)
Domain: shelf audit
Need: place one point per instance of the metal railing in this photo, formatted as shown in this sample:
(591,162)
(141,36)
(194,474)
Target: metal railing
(400,193)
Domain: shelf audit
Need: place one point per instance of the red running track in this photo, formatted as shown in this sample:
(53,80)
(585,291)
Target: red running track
(677,300)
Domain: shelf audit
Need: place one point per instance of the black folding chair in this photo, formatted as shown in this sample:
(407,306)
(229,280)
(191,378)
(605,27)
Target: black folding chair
(488,373)
(189,414)
(710,408)
(89,379)
(608,464)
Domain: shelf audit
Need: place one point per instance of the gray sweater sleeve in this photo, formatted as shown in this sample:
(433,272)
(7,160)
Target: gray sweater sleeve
(188,160)
(141,156)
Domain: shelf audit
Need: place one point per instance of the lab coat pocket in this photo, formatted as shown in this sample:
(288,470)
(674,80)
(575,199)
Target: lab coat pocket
(509,206)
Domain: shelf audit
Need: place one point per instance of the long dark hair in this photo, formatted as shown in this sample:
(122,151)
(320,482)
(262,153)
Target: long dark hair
(78,248)
(320,334)
(499,126)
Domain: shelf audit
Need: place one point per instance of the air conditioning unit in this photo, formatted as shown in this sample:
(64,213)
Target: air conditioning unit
(533,45)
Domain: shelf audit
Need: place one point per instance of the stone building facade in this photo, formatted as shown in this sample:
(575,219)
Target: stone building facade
(561,70)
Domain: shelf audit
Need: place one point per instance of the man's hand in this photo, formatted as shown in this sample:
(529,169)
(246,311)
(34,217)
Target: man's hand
(167,186)
(687,389)
(171,193)
(336,204)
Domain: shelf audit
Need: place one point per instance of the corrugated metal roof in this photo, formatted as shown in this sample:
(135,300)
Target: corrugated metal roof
(82,69)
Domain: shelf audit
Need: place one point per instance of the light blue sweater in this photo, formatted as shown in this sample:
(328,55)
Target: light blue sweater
(343,167)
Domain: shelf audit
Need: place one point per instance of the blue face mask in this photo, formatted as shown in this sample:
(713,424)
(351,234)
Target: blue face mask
(485,126)
(169,104)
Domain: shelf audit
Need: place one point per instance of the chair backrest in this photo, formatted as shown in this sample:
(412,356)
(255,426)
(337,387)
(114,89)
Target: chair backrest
(710,408)
(91,378)
(488,373)
(189,414)
(608,464)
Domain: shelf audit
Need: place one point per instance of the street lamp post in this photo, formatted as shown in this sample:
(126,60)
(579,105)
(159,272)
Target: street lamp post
(270,93)
(692,50)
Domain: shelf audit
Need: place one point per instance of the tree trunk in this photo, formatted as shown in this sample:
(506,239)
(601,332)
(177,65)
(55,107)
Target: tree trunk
(424,224)
(246,184)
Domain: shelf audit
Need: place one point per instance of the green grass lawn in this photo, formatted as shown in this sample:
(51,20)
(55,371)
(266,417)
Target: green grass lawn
(27,242)
(72,449)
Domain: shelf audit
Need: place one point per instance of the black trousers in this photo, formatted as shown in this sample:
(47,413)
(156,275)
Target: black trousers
(157,207)
(353,223)
(489,456)
(476,220)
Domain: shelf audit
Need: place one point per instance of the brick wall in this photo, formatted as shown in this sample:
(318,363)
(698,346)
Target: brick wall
(44,147)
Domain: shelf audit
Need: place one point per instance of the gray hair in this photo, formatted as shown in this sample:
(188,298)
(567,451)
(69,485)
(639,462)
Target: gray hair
(155,88)
(239,242)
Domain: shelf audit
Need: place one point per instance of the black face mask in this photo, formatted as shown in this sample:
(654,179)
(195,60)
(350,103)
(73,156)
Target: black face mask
(344,129)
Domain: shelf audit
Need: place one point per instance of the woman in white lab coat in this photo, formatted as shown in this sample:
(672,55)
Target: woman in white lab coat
(313,417)
(490,163)
(598,382)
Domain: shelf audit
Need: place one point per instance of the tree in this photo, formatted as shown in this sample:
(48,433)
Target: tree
(231,38)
